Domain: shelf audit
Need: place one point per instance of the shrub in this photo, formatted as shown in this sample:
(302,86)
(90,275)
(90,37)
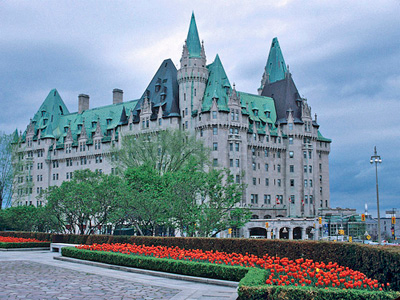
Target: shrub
(233,273)
(24,245)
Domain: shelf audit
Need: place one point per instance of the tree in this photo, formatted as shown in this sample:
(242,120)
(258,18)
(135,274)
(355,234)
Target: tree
(87,202)
(169,184)
(25,218)
(6,170)
(164,151)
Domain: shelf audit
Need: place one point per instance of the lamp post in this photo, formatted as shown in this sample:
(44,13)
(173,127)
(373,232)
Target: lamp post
(377,159)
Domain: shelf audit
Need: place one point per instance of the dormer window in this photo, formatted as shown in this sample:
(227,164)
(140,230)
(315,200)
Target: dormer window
(44,121)
(157,89)
(94,123)
(79,126)
(66,129)
(267,114)
(43,112)
(256,112)
(108,121)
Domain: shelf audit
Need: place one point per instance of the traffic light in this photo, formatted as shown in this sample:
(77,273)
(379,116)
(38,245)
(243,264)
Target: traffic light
(393,220)
(363,217)
(230,230)
(266,225)
(320,220)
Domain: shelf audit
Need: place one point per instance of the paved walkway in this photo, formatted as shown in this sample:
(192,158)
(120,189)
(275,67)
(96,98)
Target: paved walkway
(36,275)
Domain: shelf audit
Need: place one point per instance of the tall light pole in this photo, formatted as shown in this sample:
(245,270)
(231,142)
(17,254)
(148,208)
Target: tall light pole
(377,159)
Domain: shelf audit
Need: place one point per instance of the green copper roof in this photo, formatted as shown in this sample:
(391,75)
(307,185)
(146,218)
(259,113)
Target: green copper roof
(261,112)
(321,138)
(192,40)
(275,67)
(217,86)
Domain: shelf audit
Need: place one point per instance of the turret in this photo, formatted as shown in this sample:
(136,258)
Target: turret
(192,76)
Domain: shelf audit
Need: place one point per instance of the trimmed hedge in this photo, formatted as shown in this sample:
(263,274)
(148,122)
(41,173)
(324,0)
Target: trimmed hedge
(253,287)
(41,236)
(232,273)
(378,262)
(24,245)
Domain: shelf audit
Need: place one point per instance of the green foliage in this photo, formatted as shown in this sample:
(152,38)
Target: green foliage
(170,187)
(199,269)
(87,202)
(25,218)
(24,245)
(6,169)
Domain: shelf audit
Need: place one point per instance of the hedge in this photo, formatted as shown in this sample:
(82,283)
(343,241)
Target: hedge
(251,284)
(24,245)
(253,287)
(41,236)
(378,262)
(232,273)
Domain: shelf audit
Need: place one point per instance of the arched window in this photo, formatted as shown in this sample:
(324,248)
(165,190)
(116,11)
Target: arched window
(267,217)
(254,217)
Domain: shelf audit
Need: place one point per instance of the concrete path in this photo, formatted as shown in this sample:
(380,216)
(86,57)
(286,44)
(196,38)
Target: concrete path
(36,275)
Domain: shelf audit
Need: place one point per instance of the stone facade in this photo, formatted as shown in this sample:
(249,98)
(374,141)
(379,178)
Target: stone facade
(269,140)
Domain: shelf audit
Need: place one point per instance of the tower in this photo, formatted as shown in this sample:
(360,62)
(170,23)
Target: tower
(192,76)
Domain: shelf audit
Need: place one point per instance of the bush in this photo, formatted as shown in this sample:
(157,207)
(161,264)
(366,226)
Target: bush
(41,236)
(233,273)
(24,245)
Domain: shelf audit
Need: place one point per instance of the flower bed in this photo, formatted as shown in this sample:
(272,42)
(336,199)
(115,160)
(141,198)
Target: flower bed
(14,242)
(280,271)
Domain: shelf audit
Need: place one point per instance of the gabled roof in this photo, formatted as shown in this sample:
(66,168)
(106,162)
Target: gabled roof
(275,67)
(260,109)
(217,86)
(162,91)
(192,40)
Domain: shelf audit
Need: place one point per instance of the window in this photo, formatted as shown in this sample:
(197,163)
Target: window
(267,199)
(237,179)
(230,146)
(320,190)
(305,183)
(291,168)
(214,114)
(290,126)
(279,182)
(310,182)
(231,163)
(291,182)
(237,115)
(159,122)
(326,203)
(254,181)
(311,199)
(232,116)
(309,154)
(306,199)
(290,141)
(237,163)
(266,167)
(253,152)
(254,199)
(201,132)
(320,203)
(305,168)
(278,154)
(320,167)
(266,182)
(291,154)
(215,130)
(279,168)
(320,178)
(215,146)
(237,147)
(310,169)
(215,162)
(292,199)
(305,154)
(254,166)
(265,153)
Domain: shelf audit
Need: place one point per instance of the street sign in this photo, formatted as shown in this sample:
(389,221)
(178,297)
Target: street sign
(368,237)
(350,239)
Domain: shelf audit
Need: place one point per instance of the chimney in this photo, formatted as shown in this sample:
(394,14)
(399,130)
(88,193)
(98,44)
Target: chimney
(83,103)
(117,96)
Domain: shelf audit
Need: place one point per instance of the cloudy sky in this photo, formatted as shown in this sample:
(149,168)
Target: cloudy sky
(344,57)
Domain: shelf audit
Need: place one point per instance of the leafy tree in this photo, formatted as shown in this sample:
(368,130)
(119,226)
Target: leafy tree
(165,151)
(6,170)
(166,173)
(25,218)
(87,202)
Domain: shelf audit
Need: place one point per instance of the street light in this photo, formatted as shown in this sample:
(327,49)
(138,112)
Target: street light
(377,159)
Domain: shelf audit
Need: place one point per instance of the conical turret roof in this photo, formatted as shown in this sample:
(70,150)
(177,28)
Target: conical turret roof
(275,67)
(192,40)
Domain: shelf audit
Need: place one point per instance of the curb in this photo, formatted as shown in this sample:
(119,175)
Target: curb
(150,272)
(24,249)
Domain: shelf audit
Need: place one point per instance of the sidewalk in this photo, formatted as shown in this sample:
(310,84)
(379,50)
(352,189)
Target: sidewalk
(36,275)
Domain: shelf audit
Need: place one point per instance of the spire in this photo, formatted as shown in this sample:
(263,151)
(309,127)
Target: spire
(192,40)
(275,68)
